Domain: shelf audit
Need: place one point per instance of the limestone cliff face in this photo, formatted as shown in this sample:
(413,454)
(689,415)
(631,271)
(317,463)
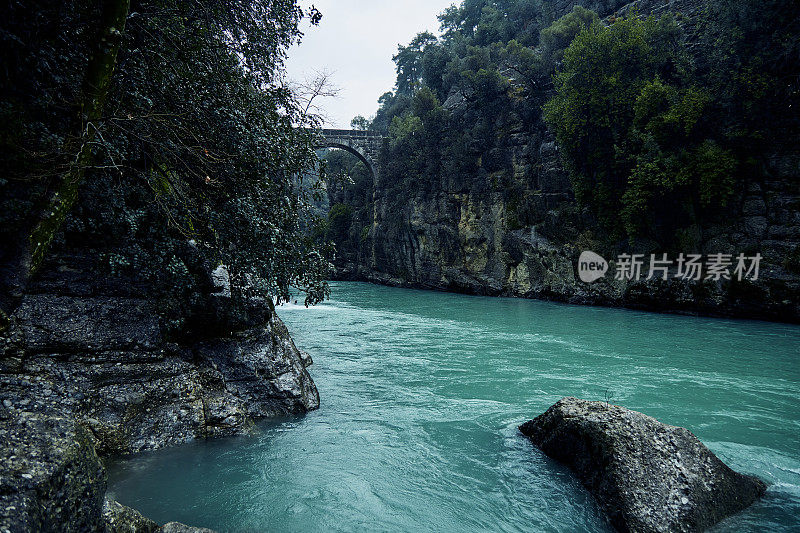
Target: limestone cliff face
(464,241)
(468,237)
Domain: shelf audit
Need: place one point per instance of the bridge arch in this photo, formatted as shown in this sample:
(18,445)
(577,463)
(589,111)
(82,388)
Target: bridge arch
(355,151)
(365,145)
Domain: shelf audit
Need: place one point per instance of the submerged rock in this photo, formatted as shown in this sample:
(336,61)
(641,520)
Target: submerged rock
(121,519)
(647,476)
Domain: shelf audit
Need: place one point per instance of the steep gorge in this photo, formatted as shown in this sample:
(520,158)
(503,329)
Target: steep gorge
(517,229)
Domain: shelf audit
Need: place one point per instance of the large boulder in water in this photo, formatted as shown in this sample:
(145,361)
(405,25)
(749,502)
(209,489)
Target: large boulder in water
(646,476)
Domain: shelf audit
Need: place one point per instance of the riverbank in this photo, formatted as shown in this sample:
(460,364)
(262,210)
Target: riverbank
(87,374)
(672,296)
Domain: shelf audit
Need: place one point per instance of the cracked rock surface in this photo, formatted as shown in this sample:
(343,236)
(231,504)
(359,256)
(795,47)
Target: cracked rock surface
(103,361)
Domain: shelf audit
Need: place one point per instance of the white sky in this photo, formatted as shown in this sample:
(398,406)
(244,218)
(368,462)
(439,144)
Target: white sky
(355,41)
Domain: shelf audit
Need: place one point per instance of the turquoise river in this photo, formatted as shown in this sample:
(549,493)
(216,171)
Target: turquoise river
(422,393)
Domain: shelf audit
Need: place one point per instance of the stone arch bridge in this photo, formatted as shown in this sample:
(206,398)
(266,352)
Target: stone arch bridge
(365,145)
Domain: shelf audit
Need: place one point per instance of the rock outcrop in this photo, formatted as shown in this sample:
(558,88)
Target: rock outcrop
(646,476)
(101,358)
(121,519)
(89,369)
(177,527)
(51,478)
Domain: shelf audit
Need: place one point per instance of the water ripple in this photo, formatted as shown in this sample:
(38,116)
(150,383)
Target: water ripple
(422,393)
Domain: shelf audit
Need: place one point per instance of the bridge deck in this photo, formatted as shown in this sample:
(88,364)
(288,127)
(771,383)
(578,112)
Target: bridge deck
(349,133)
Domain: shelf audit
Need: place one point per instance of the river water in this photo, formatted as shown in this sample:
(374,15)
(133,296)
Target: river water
(422,393)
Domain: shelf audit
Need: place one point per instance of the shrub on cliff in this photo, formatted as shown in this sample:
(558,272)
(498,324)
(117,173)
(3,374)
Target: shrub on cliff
(650,130)
(623,113)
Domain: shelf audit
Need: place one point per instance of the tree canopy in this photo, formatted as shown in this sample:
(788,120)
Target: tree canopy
(198,113)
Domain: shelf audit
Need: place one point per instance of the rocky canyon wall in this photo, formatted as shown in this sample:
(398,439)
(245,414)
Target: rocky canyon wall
(469,236)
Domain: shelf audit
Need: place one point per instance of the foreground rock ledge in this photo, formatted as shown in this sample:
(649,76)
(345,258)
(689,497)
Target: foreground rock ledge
(647,476)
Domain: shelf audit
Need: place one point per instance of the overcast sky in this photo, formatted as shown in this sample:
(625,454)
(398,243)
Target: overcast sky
(356,40)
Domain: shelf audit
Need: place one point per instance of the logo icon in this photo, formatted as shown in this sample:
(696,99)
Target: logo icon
(591,267)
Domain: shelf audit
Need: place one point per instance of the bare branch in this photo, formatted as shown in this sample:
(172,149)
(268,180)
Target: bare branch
(311,90)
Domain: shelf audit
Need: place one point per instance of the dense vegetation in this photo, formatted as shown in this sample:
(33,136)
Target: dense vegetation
(659,120)
(350,189)
(157,124)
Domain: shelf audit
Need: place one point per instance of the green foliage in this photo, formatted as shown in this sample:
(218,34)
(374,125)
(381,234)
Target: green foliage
(714,169)
(413,154)
(634,128)
(339,220)
(198,113)
(409,62)
(593,106)
(359,123)
(404,128)
(350,191)
(483,22)
(555,38)
(641,129)
(748,57)
(654,125)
